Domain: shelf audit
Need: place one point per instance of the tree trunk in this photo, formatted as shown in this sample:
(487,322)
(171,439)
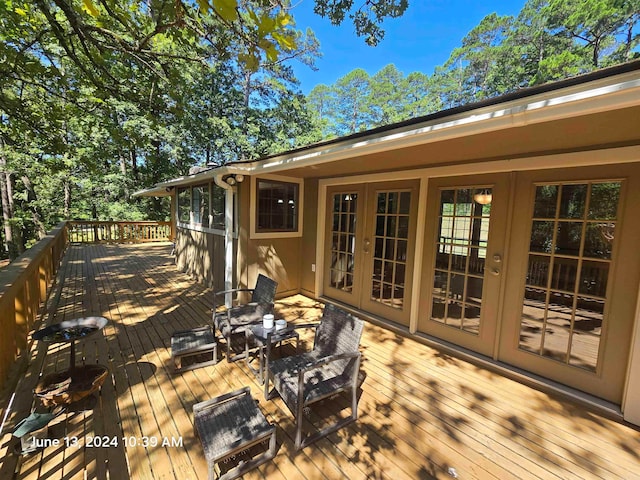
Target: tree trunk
(245,119)
(67,200)
(7,214)
(123,163)
(12,234)
(134,161)
(36,214)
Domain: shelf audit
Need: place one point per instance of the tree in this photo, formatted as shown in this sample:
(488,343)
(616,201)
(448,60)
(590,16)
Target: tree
(472,71)
(419,96)
(353,113)
(366,19)
(386,96)
(535,54)
(594,24)
(322,103)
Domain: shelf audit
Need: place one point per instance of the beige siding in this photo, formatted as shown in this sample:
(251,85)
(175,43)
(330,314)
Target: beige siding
(309,238)
(202,256)
(278,258)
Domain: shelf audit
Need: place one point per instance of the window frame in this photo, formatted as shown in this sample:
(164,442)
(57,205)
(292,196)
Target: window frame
(212,227)
(257,233)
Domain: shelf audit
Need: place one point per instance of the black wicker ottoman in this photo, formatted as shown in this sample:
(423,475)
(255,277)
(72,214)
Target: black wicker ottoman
(230,425)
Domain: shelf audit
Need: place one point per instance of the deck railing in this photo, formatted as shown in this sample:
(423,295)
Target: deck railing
(118,232)
(25,282)
(24,287)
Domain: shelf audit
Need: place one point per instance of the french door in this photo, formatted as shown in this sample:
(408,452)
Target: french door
(369,247)
(538,270)
(464,258)
(570,296)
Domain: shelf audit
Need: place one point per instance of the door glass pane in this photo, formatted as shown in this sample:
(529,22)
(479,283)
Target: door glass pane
(546,201)
(572,201)
(343,240)
(569,264)
(471,319)
(593,278)
(403,227)
(390,247)
(462,238)
(538,271)
(459,259)
(405,203)
(556,343)
(598,240)
(564,274)
(541,236)
(603,204)
(401,250)
(568,238)
(531,335)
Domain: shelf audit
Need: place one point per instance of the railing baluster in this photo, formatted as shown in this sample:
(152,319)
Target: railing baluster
(118,232)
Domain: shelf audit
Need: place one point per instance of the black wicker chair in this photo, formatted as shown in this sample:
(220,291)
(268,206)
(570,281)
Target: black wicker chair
(332,367)
(234,321)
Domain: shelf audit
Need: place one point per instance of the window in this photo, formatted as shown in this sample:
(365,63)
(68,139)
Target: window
(200,205)
(217,207)
(184,205)
(277,206)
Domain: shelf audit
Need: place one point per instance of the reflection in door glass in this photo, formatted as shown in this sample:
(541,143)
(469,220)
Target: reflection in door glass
(390,248)
(572,237)
(343,239)
(461,243)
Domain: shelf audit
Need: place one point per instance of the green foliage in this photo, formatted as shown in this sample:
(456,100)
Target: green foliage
(101,98)
(549,40)
(366,19)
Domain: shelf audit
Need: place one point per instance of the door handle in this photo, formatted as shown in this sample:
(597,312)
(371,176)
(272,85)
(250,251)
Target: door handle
(366,244)
(495,272)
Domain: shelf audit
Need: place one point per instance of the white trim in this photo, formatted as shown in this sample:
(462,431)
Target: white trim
(228,244)
(253,210)
(229,194)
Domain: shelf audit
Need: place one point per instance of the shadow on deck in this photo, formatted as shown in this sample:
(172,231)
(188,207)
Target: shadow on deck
(423,414)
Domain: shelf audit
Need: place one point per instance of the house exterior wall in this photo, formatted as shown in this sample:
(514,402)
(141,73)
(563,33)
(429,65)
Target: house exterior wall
(308,265)
(201,255)
(541,136)
(277,258)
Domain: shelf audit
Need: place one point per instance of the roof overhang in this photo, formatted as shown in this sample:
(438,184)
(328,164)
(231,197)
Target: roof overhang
(596,93)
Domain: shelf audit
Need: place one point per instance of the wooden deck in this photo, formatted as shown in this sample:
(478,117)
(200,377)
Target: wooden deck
(423,414)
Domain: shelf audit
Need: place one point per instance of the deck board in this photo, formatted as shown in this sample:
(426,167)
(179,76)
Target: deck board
(423,413)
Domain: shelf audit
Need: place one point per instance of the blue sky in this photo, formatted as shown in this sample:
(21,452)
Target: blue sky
(420,40)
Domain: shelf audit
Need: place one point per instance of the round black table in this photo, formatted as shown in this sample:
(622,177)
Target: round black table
(70,331)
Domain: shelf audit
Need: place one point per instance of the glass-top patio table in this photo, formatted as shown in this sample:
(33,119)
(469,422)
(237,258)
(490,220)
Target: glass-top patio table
(261,337)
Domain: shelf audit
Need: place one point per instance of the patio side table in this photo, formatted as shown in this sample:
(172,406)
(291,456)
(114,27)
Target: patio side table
(262,336)
(229,425)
